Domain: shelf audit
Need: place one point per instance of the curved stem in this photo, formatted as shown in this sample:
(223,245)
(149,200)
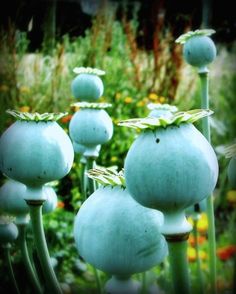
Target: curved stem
(9,264)
(41,245)
(179,266)
(210,206)
(199,271)
(27,262)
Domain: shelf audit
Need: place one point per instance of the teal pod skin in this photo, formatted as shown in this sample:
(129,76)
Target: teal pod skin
(171,168)
(51,200)
(120,285)
(91,127)
(8,233)
(35,153)
(12,201)
(231,172)
(199,51)
(117,235)
(87,87)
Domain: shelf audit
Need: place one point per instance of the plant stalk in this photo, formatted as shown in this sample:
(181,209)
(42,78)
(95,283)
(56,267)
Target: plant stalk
(91,185)
(179,263)
(35,207)
(9,264)
(199,270)
(26,259)
(203,74)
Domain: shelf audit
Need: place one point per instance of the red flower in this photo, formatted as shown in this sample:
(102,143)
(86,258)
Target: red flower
(66,118)
(226,252)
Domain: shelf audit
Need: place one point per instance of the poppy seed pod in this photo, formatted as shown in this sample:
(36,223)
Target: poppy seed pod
(115,234)
(8,232)
(90,128)
(170,168)
(44,151)
(87,86)
(199,51)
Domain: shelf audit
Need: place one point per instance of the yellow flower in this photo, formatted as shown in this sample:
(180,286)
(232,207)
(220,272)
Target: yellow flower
(114,159)
(153,96)
(191,252)
(231,196)
(162,99)
(4,88)
(202,255)
(140,104)
(24,108)
(202,224)
(128,100)
(24,89)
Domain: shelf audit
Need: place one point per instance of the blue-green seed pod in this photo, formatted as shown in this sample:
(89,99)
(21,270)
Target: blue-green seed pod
(35,153)
(115,234)
(87,87)
(51,200)
(8,233)
(199,51)
(91,127)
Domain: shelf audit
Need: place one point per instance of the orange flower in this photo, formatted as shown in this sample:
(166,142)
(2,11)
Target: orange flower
(226,252)
(128,100)
(24,109)
(60,204)
(66,118)
(200,240)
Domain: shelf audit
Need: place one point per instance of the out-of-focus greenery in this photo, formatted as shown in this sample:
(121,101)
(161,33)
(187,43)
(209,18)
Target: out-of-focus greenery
(40,81)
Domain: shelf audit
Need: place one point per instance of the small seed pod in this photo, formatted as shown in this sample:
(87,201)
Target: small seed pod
(44,151)
(8,231)
(170,166)
(50,203)
(12,200)
(91,126)
(116,234)
(87,85)
(199,50)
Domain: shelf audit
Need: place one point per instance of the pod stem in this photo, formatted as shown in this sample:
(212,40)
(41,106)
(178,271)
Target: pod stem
(203,74)
(144,283)
(91,185)
(26,259)
(179,269)
(83,179)
(35,207)
(9,264)
(199,271)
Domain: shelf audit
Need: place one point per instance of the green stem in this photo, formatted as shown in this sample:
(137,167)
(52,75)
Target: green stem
(179,265)
(98,280)
(27,262)
(144,283)
(83,179)
(41,245)
(9,264)
(199,270)
(90,164)
(203,74)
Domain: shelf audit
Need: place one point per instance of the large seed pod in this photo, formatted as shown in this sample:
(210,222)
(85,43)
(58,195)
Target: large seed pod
(35,152)
(117,235)
(8,232)
(171,168)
